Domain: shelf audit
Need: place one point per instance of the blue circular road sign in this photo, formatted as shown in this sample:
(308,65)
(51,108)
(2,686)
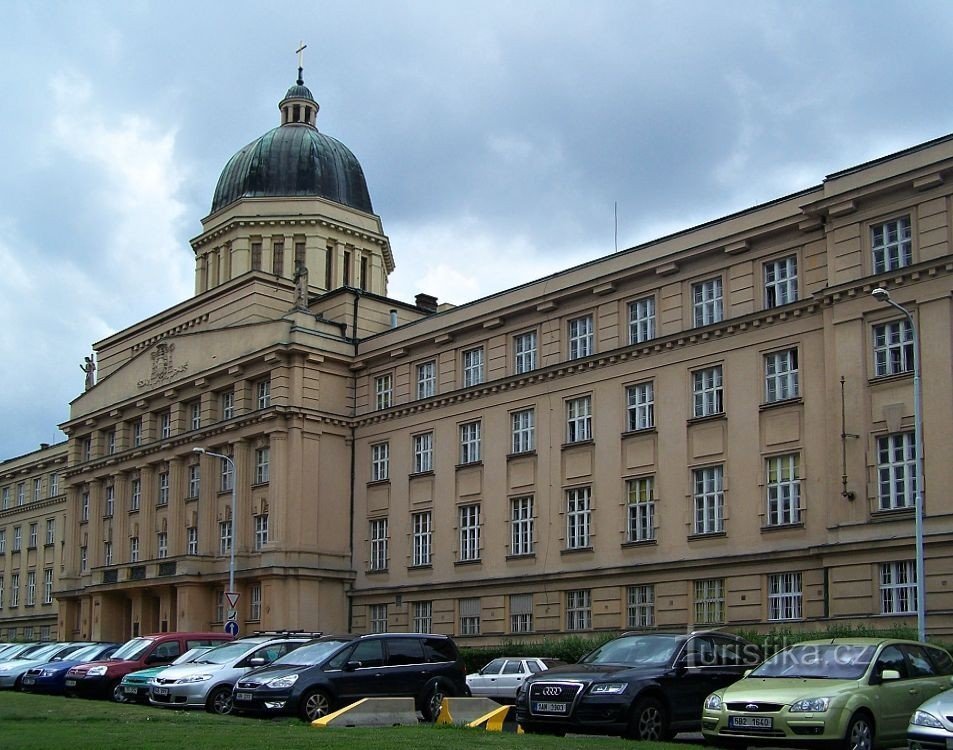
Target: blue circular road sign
(231,627)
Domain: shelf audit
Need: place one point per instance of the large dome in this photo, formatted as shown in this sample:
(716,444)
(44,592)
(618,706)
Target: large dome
(294,159)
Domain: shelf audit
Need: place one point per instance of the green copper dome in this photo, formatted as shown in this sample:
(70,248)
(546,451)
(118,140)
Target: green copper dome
(294,159)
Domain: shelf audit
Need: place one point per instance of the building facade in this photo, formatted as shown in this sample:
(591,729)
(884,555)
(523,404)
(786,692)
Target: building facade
(714,428)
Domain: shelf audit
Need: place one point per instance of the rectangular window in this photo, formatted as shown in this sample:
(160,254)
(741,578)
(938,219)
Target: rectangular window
(162,544)
(578,517)
(378,618)
(224,537)
(17,539)
(579,419)
(708,392)
(472,367)
(380,462)
(640,607)
(710,601)
(470,616)
(225,475)
(133,549)
(469,532)
(581,337)
(378,536)
(261,531)
(707,302)
(640,406)
(54,485)
(220,605)
(195,480)
(15,590)
(896,470)
(195,415)
(524,352)
(524,430)
(31,588)
(640,496)
(165,425)
(898,587)
(5,498)
(709,500)
(780,281)
(110,507)
(521,613)
(784,596)
(135,494)
(781,380)
(256,256)
(263,392)
(163,497)
(383,391)
(578,609)
(3,541)
(226,403)
(83,559)
(278,258)
(107,553)
(892,245)
(50,530)
(426,379)
(422,523)
(423,617)
(137,433)
(33,535)
(641,320)
(783,483)
(469,442)
(254,601)
(37,490)
(893,348)
(21,494)
(262,465)
(1,592)
(86,451)
(47,586)
(521,525)
(423,452)
(192,540)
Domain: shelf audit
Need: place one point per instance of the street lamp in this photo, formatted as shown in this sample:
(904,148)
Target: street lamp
(231,561)
(884,296)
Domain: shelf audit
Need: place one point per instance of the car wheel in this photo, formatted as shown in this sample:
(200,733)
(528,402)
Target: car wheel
(220,700)
(433,700)
(649,721)
(116,693)
(860,733)
(314,705)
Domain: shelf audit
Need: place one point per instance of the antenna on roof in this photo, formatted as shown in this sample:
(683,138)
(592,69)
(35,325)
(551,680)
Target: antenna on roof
(615,212)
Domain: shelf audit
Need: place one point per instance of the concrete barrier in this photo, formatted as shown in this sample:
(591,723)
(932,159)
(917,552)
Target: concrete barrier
(372,712)
(498,720)
(465,710)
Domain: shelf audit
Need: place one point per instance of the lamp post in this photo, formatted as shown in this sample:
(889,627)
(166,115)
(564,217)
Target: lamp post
(231,560)
(884,296)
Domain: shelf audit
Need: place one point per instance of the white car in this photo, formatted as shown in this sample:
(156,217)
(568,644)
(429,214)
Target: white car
(501,678)
(931,726)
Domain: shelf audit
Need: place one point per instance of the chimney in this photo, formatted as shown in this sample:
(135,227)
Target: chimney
(44,446)
(393,318)
(426,302)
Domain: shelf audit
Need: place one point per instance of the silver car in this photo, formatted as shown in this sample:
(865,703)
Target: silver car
(931,726)
(501,678)
(208,681)
(12,671)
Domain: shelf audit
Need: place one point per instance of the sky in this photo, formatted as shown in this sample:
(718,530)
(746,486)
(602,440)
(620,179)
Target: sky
(501,140)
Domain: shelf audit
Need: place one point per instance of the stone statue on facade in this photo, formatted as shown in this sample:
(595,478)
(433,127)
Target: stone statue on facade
(301,285)
(89,367)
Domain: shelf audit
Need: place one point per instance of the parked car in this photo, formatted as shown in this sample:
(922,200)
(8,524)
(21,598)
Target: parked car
(50,677)
(931,726)
(16,649)
(858,693)
(500,678)
(334,671)
(135,685)
(207,681)
(12,671)
(100,679)
(641,686)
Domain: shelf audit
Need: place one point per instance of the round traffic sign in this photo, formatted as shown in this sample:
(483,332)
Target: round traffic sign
(231,627)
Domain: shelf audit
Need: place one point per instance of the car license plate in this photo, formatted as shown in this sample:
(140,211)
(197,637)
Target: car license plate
(242,696)
(160,691)
(28,680)
(551,708)
(750,722)
(130,689)
(70,683)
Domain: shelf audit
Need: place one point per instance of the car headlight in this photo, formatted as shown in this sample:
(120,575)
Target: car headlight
(47,673)
(282,682)
(96,672)
(812,705)
(608,688)
(923,719)
(713,702)
(195,678)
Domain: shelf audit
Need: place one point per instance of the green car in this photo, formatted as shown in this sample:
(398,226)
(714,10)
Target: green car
(135,685)
(853,693)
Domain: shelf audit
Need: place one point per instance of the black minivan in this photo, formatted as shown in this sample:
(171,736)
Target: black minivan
(334,671)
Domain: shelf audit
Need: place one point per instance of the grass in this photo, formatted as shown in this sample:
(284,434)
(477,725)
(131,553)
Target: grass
(40,722)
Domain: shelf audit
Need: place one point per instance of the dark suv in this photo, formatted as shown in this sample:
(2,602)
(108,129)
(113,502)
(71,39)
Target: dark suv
(334,671)
(640,686)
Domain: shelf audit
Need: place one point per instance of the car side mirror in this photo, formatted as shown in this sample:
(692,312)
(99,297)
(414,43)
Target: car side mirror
(747,672)
(256,661)
(351,666)
(889,674)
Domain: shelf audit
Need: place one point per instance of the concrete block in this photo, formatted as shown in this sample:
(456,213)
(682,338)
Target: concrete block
(465,710)
(372,712)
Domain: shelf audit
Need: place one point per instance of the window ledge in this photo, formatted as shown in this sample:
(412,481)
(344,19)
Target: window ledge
(469,465)
(653,430)
(577,443)
(780,403)
(379,482)
(707,535)
(477,561)
(418,474)
(772,528)
(376,571)
(427,566)
(640,543)
(575,550)
(258,485)
(892,377)
(892,513)
(524,556)
(521,454)
(720,416)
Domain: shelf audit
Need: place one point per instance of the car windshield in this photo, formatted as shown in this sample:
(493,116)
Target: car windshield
(223,654)
(66,652)
(82,654)
(312,653)
(41,653)
(635,650)
(830,661)
(132,649)
(192,654)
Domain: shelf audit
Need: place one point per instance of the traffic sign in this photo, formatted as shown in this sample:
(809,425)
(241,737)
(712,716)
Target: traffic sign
(232,615)
(232,598)
(231,627)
